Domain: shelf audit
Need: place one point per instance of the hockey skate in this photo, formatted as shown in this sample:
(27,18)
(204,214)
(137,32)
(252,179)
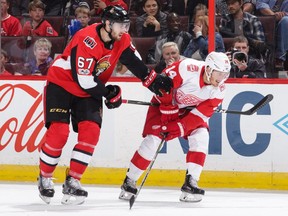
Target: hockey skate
(46,188)
(73,192)
(128,189)
(190,190)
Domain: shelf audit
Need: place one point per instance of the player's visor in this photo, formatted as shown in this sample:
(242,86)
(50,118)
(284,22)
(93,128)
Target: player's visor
(121,26)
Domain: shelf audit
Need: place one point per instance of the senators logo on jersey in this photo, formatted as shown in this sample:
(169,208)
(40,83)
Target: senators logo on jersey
(102,65)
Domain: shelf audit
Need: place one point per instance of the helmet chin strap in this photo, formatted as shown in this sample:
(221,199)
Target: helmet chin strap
(109,33)
(208,74)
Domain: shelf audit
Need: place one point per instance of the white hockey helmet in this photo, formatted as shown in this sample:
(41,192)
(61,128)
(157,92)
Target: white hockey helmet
(217,61)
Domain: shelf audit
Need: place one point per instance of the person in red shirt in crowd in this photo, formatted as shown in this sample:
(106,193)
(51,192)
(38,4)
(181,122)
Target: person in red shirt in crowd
(74,93)
(99,5)
(10,25)
(38,26)
(3,60)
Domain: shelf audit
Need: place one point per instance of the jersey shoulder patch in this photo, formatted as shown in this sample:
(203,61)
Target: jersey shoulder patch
(90,42)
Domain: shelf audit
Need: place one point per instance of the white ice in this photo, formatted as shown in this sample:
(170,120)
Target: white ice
(23,200)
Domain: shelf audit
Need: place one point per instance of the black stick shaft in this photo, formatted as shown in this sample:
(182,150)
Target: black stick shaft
(251,111)
(133,198)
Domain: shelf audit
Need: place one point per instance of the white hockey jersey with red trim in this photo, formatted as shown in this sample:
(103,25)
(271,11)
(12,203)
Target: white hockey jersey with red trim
(190,90)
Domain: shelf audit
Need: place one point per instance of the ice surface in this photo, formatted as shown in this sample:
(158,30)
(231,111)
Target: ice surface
(23,200)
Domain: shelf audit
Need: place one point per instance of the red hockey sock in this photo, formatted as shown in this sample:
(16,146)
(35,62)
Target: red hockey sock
(196,157)
(139,161)
(56,138)
(88,136)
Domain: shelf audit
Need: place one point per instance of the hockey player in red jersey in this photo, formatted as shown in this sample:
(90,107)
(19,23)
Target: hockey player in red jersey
(195,83)
(75,88)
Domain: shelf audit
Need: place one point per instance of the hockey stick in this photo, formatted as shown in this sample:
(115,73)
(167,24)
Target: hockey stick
(251,111)
(133,198)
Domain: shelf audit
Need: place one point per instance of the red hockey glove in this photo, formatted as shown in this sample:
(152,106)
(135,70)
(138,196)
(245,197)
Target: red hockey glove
(169,113)
(173,129)
(113,99)
(158,83)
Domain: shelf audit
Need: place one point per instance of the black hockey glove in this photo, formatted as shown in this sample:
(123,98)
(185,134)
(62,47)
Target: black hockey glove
(158,83)
(113,99)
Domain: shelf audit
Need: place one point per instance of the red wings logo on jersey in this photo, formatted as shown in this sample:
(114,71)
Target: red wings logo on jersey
(192,68)
(90,42)
(102,65)
(187,99)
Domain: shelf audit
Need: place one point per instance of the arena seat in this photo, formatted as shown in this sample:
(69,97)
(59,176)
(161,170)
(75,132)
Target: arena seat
(184,23)
(96,19)
(57,22)
(228,42)
(132,29)
(143,44)
(15,47)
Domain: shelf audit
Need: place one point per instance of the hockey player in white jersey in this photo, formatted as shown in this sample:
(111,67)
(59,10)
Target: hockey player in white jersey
(195,83)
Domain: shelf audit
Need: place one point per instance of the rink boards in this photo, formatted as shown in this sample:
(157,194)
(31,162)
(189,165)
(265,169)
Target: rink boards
(244,151)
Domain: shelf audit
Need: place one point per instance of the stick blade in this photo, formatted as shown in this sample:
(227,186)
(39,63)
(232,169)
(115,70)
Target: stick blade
(131,201)
(260,104)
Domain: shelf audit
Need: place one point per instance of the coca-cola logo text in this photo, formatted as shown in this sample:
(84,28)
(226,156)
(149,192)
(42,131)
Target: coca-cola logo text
(23,130)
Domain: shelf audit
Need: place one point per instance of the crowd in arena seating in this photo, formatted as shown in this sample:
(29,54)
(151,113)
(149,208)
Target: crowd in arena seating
(257,29)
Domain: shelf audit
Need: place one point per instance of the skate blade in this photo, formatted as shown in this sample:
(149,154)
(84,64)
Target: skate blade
(46,199)
(188,197)
(72,200)
(124,195)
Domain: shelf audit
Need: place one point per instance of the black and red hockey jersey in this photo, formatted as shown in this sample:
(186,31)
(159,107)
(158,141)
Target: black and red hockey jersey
(87,63)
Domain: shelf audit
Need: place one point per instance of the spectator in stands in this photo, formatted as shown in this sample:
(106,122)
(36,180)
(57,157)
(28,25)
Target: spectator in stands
(181,38)
(73,4)
(243,65)
(190,10)
(248,6)
(153,22)
(280,10)
(199,10)
(3,61)
(136,9)
(10,25)
(38,26)
(99,5)
(82,19)
(198,46)
(238,23)
(170,54)
(42,50)
(19,7)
